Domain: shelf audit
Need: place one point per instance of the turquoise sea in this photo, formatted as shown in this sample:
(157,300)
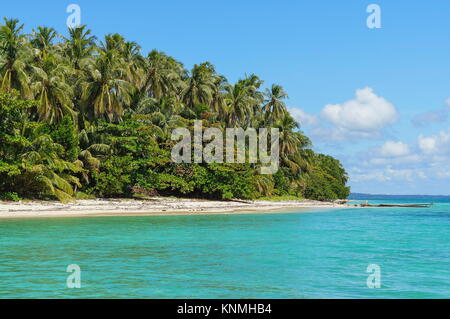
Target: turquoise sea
(319,254)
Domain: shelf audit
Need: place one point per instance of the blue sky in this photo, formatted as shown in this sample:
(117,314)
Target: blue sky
(321,52)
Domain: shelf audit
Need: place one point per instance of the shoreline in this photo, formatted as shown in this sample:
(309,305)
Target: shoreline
(161,206)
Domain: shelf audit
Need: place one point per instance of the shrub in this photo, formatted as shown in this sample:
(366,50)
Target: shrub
(14,197)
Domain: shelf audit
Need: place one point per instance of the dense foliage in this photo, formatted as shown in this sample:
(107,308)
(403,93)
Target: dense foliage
(81,117)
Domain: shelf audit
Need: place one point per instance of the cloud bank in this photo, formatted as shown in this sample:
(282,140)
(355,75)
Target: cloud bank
(363,117)
(367,112)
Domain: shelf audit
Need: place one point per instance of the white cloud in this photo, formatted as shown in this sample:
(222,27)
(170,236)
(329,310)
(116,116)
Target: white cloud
(378,176)
(427,118)
(337,134)
(397,163)
(422,175)
(437,116)
(303,118)
(392,154)
(409,159)
(366,113)
(428,144)
(364,117)
(435,144)
(443,174)
(419,167)
(394,149)
(387,174)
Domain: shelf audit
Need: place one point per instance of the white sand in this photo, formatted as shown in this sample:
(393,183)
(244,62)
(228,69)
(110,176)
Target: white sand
(154,207)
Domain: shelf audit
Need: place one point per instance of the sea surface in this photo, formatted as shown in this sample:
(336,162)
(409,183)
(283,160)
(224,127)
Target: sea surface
(318,254)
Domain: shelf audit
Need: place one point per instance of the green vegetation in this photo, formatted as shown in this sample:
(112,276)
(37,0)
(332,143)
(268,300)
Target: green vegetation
(280,198)
(82,118)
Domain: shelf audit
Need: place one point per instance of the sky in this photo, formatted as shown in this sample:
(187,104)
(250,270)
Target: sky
(378,99)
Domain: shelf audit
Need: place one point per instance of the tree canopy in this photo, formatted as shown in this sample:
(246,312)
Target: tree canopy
(82,117)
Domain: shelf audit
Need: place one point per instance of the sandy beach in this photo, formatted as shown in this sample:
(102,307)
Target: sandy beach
(152,207)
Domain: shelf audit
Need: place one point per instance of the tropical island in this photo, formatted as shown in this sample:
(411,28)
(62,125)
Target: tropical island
(85,119)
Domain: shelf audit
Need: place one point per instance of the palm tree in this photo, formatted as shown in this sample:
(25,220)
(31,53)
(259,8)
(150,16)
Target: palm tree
(42,40)
(163,114)
(253,84)
(263,183)
(133,62)
(53,93)
(129,53)
(45,172)
(114,41)
(161,75)
(274,107)
(292,143)
(243,102)
(218,101)
(239,104)
(79,47)
(106,91)
(14,54)
(199,86)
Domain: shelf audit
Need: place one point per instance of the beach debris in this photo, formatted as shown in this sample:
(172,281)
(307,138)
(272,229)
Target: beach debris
(341,201)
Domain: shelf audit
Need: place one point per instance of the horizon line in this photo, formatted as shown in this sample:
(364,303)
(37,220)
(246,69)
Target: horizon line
(378,194)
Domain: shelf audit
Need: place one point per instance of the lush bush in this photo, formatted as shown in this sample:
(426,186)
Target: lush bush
(115,177)
(327,180)
(227,181)
(65,134)
(14,197)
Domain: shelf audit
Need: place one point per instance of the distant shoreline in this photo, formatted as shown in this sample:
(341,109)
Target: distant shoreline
(364,196)
(154,207)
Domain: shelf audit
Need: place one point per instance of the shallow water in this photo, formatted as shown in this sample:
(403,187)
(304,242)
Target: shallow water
(322,254)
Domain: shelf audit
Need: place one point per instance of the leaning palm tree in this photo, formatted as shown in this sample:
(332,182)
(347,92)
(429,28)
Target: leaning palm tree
(53,93)
(14,53)
(92,151)
(44,172)
(263,183)
(274,107)
(292,143)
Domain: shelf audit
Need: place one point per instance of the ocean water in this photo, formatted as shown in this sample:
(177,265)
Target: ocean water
(318,254)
